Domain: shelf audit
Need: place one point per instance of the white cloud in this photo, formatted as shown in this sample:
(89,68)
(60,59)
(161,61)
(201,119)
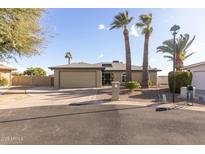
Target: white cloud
(48,71)
(101,27)
(134,31)
(21,69)
(101,55)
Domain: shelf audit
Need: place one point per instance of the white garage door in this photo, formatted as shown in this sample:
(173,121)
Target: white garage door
(77,79)
(199,80)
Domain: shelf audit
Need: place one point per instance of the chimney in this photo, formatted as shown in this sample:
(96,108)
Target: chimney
(116,61)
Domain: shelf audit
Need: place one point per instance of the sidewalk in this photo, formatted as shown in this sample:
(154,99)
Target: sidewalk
(171,106)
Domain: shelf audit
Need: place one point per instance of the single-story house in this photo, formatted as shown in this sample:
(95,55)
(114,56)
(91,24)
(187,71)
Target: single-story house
(84,75)
(198,71)
(6,72)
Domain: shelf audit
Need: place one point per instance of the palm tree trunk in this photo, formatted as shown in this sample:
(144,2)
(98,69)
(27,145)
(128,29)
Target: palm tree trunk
(179,64)
(145,73)
(68,61)
(128,56)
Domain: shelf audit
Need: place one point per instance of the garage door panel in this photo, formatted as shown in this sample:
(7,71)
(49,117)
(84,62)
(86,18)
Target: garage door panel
(77,79)
(199,80)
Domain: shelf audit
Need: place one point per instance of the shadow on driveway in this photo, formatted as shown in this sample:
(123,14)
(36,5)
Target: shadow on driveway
(75,113)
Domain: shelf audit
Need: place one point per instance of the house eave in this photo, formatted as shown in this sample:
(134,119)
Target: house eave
(193,65)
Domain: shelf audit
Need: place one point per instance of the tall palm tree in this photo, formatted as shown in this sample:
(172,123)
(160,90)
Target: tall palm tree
(145,25)
(182,44)
(68,56)
(121,20)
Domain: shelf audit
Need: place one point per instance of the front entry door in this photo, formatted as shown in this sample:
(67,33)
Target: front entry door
(106,79)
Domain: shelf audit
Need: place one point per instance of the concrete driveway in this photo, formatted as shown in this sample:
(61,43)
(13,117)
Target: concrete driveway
(21,97)
(96,124)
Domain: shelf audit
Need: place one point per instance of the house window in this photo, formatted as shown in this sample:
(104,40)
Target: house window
(123,77)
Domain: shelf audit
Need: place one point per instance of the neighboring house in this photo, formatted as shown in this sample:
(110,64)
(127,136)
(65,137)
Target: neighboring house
(80,75)
(198,71)
(5,72)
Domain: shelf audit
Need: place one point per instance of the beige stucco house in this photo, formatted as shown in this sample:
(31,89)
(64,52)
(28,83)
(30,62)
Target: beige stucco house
(84,75)
(5,72)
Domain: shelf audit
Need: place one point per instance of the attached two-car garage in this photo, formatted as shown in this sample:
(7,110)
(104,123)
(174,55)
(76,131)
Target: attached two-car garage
(75,79)
(77,75)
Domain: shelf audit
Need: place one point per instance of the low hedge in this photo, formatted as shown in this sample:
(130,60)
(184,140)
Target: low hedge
(183,79)
(133,85)
(3,82)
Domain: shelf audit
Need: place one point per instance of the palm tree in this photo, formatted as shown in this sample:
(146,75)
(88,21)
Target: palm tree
(182,44)
(121,20)
(145,25)
(68,56)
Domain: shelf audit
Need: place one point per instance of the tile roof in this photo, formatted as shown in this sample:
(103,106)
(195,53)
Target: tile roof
(77,65)
(107,66)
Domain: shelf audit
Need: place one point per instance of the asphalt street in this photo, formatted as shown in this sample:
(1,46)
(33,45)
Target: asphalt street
(100,124)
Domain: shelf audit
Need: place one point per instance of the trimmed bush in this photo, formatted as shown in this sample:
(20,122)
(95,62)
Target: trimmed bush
(3,82)
(150,83)
(133,85)
(183,79)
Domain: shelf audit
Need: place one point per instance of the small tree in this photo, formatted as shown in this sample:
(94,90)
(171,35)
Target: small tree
(3,82)
(35,71)
(20,32)
(183,79)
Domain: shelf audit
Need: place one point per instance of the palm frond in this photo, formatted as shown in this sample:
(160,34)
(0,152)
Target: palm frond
(169,43)
(121,20)
(185,57)
(169,57)
(146,18)
(189,43)
(144,23)
(140,24)
(165,49)
(182,43)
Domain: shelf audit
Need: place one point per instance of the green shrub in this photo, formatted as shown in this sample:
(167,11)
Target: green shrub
(183,79)
(133,85)
(3,82)
(150,83)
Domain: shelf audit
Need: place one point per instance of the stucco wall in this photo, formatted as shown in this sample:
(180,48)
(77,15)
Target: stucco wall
(7,75)
(117,76)
(162,80)
(198,76)
(136,76)
(78,80)
(31,81)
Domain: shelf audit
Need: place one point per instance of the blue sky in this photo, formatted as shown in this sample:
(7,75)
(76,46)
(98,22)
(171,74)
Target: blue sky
(84,32)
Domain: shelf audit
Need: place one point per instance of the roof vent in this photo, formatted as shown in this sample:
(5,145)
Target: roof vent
(116,61)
